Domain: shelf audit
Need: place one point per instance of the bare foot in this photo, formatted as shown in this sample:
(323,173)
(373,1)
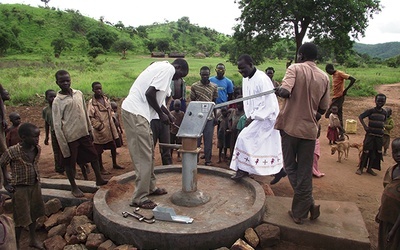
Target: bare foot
(76,192)
(101,182)
(36,244)
(118,167)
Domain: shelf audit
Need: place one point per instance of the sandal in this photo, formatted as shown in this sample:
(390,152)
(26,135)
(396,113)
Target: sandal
(148,204)
(159,191)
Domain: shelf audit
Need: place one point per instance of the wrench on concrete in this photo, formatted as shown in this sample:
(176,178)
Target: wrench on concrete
(138,216)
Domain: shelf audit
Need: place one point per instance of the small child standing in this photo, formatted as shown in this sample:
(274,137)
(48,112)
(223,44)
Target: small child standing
(335,128)
(49,129)
(104,131)
(388,216)
(12,136)
(178,114)
(389,124)
(27,201)
(119,142)
(372,146)
(224,135)
(234,118)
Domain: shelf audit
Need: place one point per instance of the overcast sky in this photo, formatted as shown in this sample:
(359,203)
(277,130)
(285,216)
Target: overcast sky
(216,14)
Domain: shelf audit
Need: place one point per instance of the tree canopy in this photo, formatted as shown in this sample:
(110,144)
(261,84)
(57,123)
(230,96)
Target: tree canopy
(329,22)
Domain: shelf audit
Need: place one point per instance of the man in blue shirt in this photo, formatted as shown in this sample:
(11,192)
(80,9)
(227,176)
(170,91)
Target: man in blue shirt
(225,85)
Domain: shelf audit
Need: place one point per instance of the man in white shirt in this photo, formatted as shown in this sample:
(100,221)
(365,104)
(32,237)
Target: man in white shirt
(144,103)
(258,146)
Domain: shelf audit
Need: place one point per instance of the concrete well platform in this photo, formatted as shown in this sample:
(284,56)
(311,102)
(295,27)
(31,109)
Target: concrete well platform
(233,207)
(340,225)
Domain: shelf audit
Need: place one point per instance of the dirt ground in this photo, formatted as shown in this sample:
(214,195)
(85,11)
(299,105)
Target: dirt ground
(340,182)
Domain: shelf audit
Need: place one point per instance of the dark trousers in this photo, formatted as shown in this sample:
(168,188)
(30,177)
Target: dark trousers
(161,133)
(208,134)
(372,152)
(338,102)
(298,156)
(57,153)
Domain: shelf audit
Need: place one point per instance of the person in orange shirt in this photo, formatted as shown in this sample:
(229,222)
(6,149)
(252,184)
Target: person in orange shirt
(338,89)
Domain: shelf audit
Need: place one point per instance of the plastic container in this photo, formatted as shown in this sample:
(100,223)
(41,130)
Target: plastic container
(351,126)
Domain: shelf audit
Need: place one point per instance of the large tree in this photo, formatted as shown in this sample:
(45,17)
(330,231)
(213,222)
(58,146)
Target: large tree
(262,22)
(123,45)
(7,38)
(101,37)
(59,45)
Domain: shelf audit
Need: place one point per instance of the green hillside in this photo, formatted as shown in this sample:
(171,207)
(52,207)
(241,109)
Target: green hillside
(381,50)
(33,29)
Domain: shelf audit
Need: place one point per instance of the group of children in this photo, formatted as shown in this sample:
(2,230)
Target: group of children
(78,136)
(377,138)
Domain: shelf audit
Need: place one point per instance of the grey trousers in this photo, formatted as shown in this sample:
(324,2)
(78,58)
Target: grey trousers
(208,134)
(298,156)
(141,148)
(161,134)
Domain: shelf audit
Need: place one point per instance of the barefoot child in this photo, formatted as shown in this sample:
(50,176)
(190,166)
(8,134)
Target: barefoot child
(234,118)
(335,128)
(27,201)
(178,114)
(104,130)
(73,131)
(12,136)
(372,146)
(389,124)
(388,216)
(224,135)
(119,142)
(49,129)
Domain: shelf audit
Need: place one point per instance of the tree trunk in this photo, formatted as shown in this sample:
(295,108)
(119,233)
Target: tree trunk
(299,35)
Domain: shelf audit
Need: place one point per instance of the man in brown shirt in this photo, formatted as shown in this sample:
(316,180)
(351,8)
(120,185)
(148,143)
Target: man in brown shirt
(305,89)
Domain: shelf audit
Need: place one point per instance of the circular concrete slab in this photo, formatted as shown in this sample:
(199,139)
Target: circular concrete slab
(233,207)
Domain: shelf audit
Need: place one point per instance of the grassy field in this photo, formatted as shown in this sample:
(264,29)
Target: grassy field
(28,78)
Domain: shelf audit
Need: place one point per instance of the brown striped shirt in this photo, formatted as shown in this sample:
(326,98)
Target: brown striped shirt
(23,172)
(204,93)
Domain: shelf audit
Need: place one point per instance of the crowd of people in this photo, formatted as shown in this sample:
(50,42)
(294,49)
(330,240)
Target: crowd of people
(273,134)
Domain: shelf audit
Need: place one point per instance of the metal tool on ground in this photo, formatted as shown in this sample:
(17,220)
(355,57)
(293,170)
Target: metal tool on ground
(168,214)
(139,217)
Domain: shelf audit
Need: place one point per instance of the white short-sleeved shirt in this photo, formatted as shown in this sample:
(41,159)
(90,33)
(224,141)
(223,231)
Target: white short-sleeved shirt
(159,75)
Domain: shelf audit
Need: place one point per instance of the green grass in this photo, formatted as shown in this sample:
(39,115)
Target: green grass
(28,78)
